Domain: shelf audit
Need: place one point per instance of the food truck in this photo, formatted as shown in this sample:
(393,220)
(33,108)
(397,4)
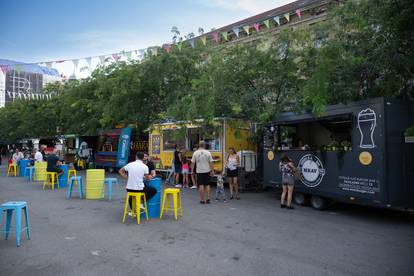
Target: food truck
(354,153)
(224,134)
(116,147)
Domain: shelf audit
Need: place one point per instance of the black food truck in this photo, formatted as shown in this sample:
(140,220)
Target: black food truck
(354,153)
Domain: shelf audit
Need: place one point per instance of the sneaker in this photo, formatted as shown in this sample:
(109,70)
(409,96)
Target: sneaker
(178,186)
(208,201)
(231,197)
(194,187)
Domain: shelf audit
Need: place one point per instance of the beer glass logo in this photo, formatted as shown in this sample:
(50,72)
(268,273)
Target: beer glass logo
(311,170)
(367,121)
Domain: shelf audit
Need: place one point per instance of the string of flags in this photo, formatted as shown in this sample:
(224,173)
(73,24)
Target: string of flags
(29,96)
(214,36)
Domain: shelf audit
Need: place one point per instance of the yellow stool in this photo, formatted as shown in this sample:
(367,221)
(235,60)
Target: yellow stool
(51,179)
(176,197)
(136,203)
(81,164)
(12,168)
(71,172)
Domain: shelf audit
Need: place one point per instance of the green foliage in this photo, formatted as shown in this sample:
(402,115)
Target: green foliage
(364,49)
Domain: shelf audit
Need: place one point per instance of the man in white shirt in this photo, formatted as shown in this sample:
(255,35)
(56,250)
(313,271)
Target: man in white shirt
(38,156)
(17,156)
(137,171)
(203,161)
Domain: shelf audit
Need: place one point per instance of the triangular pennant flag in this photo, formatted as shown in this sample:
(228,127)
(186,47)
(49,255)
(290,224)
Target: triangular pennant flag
(167,47)
(60,61)
(287,16)
(18,68)
(116,57)
(298,13)
(247,29)
(89,61)
(20,95)
(224,35)
(236,31)
(141,53)
(128,55)
(154,51)
(216,37)
(14,95)
(4,69)
(277,20)
(75,63)
(204,40)
(9,93)
(256,26)
(267,23)
(49,64)
(101,59)
(179,46)
(192,42)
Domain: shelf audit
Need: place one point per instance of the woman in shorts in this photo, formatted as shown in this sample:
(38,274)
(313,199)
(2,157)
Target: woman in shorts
(287,167)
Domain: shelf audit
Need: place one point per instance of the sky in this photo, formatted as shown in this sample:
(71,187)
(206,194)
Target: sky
(48,30)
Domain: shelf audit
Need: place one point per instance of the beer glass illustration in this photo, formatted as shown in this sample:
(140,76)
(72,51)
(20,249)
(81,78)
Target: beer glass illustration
(367,121)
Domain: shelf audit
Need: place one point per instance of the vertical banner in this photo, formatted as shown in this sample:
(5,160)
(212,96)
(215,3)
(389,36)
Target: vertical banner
(123,147)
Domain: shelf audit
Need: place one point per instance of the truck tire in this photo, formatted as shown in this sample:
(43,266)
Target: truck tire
(301,199)
(318,202)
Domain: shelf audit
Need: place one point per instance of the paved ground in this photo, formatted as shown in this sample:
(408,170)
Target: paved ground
(247,237)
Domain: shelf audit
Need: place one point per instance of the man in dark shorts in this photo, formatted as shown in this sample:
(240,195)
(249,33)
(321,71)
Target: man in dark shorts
(53,163)
(204,170)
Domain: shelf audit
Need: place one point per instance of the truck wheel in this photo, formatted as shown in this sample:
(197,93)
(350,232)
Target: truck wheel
(301,199)
(318,202)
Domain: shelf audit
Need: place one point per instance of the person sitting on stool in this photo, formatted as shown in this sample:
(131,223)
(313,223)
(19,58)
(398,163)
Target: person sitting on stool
(137,172)
(53,163)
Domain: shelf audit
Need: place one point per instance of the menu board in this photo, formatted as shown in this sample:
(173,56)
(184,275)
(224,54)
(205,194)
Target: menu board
(156,144)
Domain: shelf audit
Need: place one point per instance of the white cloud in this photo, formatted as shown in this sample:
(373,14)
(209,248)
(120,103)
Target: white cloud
(250,6)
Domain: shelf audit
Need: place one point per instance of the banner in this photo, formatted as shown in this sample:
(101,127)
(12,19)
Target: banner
(22,83)
(123,147)
(236,31)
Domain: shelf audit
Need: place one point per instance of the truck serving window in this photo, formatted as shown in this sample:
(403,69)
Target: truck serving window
(172,137)
(212,138)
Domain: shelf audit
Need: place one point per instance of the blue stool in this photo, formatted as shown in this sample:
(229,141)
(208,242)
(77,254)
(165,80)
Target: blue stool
(16,206)
(109,182)
(72,180)
(28,172)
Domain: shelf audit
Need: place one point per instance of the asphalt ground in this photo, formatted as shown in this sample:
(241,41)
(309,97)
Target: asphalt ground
(252,236)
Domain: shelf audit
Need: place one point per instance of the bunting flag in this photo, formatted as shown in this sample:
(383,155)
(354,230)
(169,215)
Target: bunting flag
(60,61)
(298,13)
(247,29)
(267,23)
(154,51)
(75,63)
(204,40)
(128,55)
(3,69)
(18,68)
(141,53)
(277,20)
(49,64)
(89,61)
(167,48)
(256,26)
(236,31)
(287,16)
(192,42)
(224,35)
(116,57)
(101,59)
(9,93)
(216,37)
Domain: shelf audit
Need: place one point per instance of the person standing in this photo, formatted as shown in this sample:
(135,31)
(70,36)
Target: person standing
(38,156)
(137,172)
(204,170)
(186,171)
(177,166)
(17,156)
(232,163)
(287,167)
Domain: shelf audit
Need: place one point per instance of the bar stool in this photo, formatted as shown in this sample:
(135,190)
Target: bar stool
(71,171)
(29,172)
(53,177)
(12,168)
(175,194)
(109,182)
(72,181)
(136,203)
(17,207)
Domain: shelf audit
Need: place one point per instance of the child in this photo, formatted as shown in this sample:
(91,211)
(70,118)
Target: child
(186,171)
(220,188)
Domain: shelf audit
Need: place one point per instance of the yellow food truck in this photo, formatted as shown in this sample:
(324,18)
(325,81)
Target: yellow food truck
(224,134)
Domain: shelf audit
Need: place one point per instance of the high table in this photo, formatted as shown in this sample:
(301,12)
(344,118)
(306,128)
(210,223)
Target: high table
(63,179)
(23,163)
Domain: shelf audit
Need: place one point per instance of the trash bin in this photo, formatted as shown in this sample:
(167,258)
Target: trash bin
(95,183)
(154,203)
